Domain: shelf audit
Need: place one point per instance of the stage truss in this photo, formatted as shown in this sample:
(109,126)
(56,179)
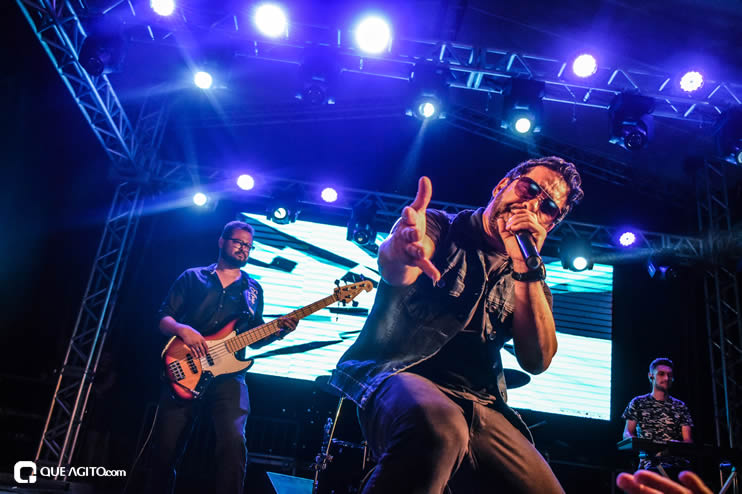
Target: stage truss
(133,154)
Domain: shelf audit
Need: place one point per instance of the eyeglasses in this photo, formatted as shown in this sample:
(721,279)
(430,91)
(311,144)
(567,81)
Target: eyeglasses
(243,245)
(527,189)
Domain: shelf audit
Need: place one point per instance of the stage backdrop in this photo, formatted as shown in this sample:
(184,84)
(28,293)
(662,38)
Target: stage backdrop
(298,264)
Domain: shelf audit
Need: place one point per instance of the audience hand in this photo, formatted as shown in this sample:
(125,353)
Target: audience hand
(646,482)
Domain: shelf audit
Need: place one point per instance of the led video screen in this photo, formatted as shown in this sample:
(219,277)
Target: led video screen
(298,264)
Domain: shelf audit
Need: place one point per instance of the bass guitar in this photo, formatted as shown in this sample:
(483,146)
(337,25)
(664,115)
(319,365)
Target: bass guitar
(190,375)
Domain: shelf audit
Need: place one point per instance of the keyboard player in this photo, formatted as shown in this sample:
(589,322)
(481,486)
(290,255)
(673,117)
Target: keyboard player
(659,417)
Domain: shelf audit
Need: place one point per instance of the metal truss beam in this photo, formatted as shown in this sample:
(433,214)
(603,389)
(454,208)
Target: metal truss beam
(476,68)
(61,34)
(179,177)
(62,426)
(722,301)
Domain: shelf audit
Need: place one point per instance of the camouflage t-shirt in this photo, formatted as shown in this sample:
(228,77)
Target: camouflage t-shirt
(659,421)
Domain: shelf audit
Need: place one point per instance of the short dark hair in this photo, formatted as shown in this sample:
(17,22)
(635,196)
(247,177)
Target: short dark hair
(566,169)
(660,361)
(230,227)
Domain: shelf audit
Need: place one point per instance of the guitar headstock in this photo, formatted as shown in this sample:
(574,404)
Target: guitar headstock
(347,293)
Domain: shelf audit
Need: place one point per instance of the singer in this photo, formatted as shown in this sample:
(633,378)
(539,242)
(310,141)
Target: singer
(426,371)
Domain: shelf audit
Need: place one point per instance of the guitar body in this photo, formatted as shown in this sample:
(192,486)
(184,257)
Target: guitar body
(190,375)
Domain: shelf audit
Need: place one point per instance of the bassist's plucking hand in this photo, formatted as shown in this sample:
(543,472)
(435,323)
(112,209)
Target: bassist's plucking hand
(194,340)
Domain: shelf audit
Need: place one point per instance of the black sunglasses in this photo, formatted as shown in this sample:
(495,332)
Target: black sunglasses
(527,189)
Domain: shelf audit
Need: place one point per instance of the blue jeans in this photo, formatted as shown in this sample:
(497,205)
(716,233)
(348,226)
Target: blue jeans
(425,439)
(227,405)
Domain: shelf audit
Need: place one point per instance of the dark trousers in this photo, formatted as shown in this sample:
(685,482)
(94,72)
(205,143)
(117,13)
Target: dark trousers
(227,405)
(422,437)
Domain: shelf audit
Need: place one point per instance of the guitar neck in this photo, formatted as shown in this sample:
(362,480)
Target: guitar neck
(269,329)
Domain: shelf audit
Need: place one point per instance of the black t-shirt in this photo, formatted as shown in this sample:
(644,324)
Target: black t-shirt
(465,364)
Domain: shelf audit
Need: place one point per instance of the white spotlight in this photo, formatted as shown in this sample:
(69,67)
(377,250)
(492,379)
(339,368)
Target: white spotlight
(329,194)
(200,199)
(270,19)
(245,182)
(163,7)
(373,34)
(203,79)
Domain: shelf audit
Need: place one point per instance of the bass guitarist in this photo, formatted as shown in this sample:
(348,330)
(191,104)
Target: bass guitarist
(200,302)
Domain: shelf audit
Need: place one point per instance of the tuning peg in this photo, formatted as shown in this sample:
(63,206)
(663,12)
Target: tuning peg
(354,303)
(344,303)
(337,283)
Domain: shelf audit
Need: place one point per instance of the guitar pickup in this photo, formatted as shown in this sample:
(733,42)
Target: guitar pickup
(209,359)
(176,371)
(191,364)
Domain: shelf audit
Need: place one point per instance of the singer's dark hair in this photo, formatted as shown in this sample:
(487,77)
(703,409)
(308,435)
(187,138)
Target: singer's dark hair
(660,361)
(565,168)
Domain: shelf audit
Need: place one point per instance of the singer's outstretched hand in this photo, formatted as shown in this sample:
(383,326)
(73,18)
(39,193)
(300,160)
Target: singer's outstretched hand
(408,250)
(521,219)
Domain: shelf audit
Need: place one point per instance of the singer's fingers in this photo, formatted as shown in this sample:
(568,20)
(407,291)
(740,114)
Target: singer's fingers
(520,224)
(424,193)
(410,234)
(429,269)
(409,216)
(628,483)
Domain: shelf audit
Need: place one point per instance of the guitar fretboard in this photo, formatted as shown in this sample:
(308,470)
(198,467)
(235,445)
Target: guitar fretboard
(269,329)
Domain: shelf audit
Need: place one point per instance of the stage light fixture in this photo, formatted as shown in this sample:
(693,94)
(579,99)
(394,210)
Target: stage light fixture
(428,91)
(691,81)
(271,20)
(163,7)
(361,229)
(318,75)
(632,124)
(523,106)
(203,79)
(584,65)
(627,238)
(728,135)
(575,253)
(329,194)
(103,51)
(283,212)
(200,199)
(373,34)
(245,182)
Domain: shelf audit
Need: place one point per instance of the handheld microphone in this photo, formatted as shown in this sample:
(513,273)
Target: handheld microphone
(528,249)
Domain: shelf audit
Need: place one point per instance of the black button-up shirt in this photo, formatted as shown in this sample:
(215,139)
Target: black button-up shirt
(198,299)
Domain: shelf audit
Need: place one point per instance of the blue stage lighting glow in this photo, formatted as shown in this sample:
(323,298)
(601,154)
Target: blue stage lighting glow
(163,7)
(203,79)
(584,65)
(523,125)
(373,34)
(329,194)
(691,81)
(280,213)
(299,269)
(245,182)
(200,199)
(270,19)
(627,238)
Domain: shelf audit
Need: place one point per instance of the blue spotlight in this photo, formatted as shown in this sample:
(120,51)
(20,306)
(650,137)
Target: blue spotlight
(691,81)
(427,109)
(627,239)
(329,194)
(270,19)
(200,199)
(163,7)
(584,65)
(245,182)
(373,34)
(203,79)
